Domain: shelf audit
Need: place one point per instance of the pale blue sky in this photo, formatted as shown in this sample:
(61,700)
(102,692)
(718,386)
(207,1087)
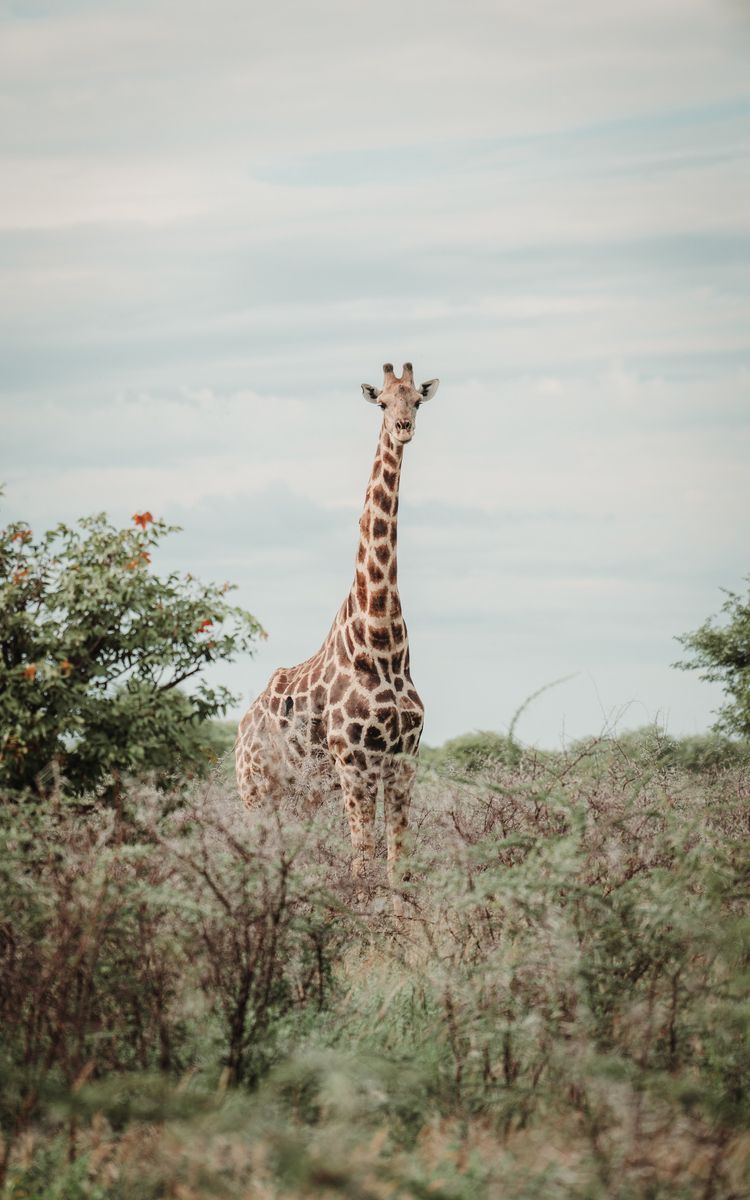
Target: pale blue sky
(217,221)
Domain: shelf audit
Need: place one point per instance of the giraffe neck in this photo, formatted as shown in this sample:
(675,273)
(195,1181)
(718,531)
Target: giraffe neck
(374,595)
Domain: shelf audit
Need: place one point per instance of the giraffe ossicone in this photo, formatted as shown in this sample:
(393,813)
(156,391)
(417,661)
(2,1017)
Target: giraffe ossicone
(350,718)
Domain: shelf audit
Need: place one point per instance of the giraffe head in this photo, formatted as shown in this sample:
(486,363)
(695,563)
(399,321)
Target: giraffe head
(400,399)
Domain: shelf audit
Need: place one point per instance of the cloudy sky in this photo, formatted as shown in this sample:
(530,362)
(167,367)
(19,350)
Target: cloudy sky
(217,220)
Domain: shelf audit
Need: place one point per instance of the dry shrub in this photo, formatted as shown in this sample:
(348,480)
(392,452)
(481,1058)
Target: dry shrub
(563,1014)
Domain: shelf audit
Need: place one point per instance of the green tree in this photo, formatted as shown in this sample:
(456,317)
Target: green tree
(100,658)
(721,653)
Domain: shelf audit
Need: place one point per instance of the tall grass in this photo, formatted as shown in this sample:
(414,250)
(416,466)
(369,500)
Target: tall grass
(193,1005)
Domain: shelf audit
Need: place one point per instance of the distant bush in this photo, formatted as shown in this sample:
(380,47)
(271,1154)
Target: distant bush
(219,738)
(721,654)
(709,752)
(652,748)
(472,752)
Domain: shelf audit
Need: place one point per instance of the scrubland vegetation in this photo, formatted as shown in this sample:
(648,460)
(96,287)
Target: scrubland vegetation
(195,1005)
(194,1002)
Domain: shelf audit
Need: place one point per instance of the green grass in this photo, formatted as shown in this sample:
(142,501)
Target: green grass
(195,1003)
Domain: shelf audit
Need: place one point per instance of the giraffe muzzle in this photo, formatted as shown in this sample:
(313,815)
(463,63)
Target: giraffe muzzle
(404,430)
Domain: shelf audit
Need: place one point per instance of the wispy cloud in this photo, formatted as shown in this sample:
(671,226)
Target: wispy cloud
(214,227)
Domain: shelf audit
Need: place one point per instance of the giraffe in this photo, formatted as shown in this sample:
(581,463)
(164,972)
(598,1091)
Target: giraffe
(349,719)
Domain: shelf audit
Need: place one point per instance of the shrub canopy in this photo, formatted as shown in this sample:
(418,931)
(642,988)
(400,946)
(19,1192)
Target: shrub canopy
(721,653)
(101,659)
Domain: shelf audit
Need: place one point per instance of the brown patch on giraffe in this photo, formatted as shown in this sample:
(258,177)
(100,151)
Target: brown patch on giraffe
(357,706)
(392,571)
(338,689)
(382,498)
(365,667)
(386,716)
(397,632)
(410,718)
(392,534)
(396,662)
(358,631)
(374,739)
(378,602)
(389,479)
(361,552)
(382,553)
(390,460)
(318,697)
(336,717)
(374,571)
(349,640)
(380,638)
(341,653)
(329,672)
(398,683)
(359,758)
(361,590)
(379,528)
(385,696)
(280,683)
(354,732)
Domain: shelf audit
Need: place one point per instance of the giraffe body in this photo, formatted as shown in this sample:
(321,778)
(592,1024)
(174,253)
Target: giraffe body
(349,719)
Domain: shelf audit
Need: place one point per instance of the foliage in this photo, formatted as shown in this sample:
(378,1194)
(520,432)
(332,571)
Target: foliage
(652,748)
(721,653)
(100,658)
(564,1013)
(134,941)
(476,751)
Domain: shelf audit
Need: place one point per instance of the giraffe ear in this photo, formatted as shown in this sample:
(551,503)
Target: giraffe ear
(371,393)
(427,390)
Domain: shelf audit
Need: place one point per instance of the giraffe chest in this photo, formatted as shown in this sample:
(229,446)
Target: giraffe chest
(373,713)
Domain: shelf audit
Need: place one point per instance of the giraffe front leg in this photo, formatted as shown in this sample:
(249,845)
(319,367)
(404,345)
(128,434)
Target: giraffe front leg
(397,792)
(360,793)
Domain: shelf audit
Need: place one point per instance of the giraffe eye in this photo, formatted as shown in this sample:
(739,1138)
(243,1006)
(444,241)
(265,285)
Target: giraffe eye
(417,403)
(381,405)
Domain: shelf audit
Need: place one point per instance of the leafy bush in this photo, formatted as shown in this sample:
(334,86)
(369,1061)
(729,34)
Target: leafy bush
(652,749)
(472,752)
(100,659)
(721,653)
